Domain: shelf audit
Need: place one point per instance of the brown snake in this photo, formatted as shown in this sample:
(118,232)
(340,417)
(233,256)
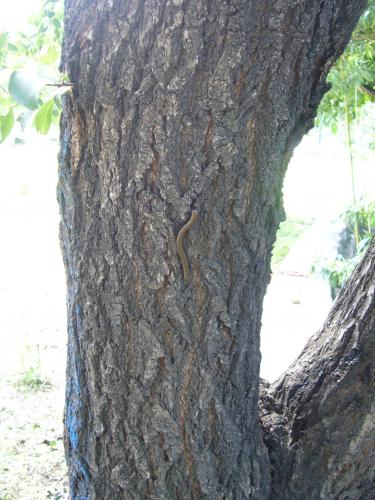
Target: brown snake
(180,246)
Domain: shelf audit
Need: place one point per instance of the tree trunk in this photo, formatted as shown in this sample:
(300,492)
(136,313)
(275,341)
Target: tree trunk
(181,110)
(318,418)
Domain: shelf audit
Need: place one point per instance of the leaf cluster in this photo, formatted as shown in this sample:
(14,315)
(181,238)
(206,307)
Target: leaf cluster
(352,77)
(338,271)
(28,71)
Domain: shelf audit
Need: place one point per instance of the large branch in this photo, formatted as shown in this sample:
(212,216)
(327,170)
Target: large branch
(319,417)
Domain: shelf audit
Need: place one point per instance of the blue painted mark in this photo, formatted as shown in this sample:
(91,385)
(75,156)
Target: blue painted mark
(82,468)
(74,404)
(73,413)
(64,144)
(78,311)
(75,485)
(76,401)
(72,424)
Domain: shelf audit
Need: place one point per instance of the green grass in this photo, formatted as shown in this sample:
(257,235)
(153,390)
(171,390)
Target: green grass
(31,380)
(5,495)
(289,232)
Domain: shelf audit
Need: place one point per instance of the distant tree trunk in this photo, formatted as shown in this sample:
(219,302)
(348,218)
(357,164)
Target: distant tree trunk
(180,107)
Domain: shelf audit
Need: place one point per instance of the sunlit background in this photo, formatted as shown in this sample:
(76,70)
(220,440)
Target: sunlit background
(15,14)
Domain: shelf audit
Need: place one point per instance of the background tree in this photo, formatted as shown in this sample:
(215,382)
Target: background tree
(353,88)
(352,77)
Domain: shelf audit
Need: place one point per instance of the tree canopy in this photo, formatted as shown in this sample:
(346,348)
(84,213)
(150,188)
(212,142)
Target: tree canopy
(353,76)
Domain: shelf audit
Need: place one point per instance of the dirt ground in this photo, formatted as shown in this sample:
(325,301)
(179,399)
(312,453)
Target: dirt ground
(33,323)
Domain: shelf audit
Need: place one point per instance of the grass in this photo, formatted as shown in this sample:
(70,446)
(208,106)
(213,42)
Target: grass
(5,495)
(289,232)
(31,380)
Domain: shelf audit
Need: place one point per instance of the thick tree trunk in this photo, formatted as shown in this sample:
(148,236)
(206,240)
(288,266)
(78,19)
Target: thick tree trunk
(179,107)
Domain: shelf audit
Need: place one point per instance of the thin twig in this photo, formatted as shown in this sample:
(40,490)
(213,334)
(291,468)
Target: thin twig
(62,84)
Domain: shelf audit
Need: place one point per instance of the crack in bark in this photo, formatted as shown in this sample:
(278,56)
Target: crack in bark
(184,410)
(154,164)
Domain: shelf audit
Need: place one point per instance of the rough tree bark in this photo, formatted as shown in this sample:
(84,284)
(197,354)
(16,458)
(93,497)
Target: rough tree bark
(319,417)
(182,105)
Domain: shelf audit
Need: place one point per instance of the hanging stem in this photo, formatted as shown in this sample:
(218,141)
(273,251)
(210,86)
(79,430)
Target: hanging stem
(350,150)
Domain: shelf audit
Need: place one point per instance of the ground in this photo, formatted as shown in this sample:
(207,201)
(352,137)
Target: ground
(32,325)
(32,293)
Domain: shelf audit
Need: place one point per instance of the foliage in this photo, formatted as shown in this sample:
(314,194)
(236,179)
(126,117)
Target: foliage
(352,77)
(365,215)
(31,378)
(353,86)
(288,233)
(5,495)
(28,72)
(338,271)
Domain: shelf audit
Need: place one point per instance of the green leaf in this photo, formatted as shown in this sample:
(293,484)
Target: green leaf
(24,87)
(7,123)
(43,117)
